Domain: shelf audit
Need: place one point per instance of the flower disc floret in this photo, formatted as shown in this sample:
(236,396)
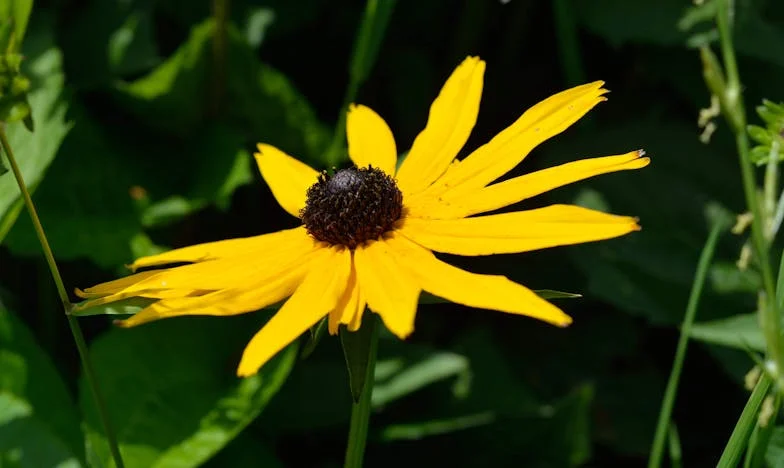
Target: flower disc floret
(352,206)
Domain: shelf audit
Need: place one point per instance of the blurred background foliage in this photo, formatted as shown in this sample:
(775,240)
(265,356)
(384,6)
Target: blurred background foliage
(142,142)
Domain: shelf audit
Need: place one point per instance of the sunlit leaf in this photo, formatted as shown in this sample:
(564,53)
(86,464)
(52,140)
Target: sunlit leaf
(34,151)
(740,331)
(38,419)
(171,389)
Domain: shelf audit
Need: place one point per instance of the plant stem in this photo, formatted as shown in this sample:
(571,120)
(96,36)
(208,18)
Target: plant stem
(81,345)
(660,438)
(736,115)
(360,411)
(368,40)
(740,434)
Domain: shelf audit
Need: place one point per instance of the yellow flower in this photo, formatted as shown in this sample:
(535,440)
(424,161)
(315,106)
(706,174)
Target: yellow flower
(369,232)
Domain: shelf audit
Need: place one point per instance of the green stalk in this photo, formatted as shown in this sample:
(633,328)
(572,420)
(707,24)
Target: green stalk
(740,434)
(736,114)
(760,439)
(366,45)
(81,345)
(660,438)
(360,410)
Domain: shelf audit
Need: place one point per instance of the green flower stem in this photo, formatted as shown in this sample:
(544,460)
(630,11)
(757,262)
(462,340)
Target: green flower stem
(81,345)
(736,115)
(360,410)
(746,422)
(660,438)
(366,45)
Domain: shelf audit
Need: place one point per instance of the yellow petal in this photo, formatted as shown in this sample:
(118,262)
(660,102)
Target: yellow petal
(225,248)
(257,264)
(314,298)
(114,286)
(388,288)
(288,178)
(482,291)
(505,151)
(344,313)
(226,302)
(370,141)
(519,231)
(147,294)
(452,117)
(526,186)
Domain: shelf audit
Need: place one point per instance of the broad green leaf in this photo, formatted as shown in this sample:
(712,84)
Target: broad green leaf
(740,331)
(35,151)
(105,40)
(25,442)
(726,277)
(644,21)
(34,401)
(171,389)
(775,453)
(650,272)
(175,96)
(127,188)
(86,213)
(492,417)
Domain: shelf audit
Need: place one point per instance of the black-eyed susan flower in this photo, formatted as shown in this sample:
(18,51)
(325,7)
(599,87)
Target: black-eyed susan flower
(368,232)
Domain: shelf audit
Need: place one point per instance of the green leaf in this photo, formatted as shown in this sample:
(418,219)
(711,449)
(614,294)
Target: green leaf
(171,389)
(86,213)
(740,331)
(110,204)
(420,430)
(128,306)
(35,406)
(356,349)
(398,377)
(167,96)
(775,453)
(18,11)
(35,151)
(106,40)
(260,99)
(649,273)
(553,294)
(25,442)
(641,21)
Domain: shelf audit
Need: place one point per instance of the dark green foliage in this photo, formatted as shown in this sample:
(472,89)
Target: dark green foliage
(143,141)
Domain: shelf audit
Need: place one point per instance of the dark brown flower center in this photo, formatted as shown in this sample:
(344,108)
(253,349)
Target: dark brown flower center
(352,206)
